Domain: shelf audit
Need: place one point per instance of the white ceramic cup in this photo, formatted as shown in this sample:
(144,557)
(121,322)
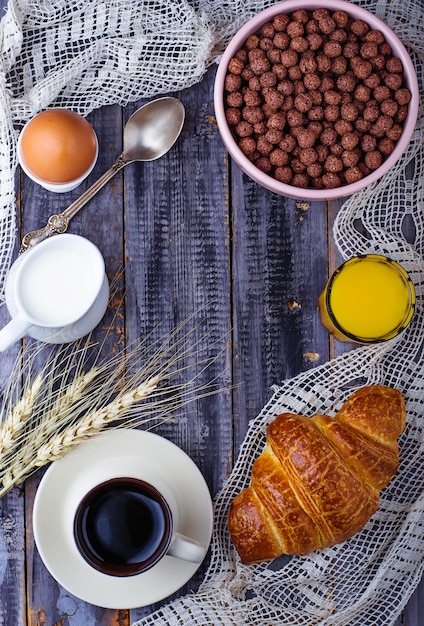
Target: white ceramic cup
(56,292)
(124,526)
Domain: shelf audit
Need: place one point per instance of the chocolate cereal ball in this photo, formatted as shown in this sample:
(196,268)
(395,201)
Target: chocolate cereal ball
(352,175)
(373,159)
(279,157)
(331,180)
(308,156)
(284,174)
(233,116)
(306,138)
(247,145)
(351,158)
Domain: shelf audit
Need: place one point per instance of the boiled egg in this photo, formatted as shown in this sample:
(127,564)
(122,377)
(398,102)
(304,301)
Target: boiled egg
(58,146)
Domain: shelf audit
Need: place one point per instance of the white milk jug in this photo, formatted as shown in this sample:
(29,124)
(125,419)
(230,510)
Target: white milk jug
(56,292)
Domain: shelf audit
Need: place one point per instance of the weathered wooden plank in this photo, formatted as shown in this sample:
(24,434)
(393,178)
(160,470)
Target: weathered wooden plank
(412,615)
(279,258)
(177,242)
(12,559)
(12,517)
(177,253)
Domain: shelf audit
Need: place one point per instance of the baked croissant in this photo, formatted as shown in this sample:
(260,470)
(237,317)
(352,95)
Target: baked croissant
(318,480)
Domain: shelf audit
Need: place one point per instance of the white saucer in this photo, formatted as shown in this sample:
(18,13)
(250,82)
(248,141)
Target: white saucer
(126,452)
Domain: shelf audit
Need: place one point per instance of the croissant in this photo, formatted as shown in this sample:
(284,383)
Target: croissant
(318,480)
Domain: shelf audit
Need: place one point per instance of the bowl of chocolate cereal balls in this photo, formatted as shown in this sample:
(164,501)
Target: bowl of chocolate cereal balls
(316,102)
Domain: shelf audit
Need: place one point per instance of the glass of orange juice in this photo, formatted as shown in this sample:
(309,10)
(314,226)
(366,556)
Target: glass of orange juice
(369,298)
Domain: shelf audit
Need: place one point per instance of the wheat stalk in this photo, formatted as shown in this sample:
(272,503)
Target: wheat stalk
(63,405)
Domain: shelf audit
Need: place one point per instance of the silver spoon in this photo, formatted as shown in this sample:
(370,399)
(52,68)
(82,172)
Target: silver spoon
(149,133)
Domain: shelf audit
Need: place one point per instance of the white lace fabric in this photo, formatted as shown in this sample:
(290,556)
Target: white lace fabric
(89,53)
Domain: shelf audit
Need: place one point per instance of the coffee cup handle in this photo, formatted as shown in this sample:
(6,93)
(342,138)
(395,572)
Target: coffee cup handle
(186,549)
(13,331)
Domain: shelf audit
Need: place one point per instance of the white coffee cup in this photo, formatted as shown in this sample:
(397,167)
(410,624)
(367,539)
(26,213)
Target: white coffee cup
(124,526)
(56,292)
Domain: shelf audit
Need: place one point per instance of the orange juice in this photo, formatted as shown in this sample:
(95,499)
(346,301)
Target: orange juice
(368,299)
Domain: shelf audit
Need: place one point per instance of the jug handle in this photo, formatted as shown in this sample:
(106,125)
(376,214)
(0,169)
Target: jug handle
(14,330)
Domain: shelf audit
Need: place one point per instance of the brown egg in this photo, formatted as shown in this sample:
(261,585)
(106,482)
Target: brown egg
(58,146)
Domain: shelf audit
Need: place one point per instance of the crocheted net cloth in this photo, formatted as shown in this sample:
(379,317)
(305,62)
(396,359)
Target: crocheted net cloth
(86,54)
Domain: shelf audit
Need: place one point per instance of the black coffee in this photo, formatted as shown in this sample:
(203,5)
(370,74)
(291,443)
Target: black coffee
(122,526)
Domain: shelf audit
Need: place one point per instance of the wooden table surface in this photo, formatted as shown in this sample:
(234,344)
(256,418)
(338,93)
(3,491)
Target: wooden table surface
(186,234)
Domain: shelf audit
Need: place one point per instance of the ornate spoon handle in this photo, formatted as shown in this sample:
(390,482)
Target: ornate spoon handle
(59,223)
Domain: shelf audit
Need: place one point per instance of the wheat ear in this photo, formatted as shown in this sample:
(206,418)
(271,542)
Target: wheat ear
(93,423)
(16,419)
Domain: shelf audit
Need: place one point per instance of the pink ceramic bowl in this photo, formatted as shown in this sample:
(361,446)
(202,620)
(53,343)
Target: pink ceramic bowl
(253,26)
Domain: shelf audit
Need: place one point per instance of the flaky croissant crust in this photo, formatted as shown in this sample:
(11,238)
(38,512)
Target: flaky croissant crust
(318,480)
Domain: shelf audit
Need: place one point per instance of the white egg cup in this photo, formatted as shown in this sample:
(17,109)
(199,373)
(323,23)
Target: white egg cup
(55,187)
